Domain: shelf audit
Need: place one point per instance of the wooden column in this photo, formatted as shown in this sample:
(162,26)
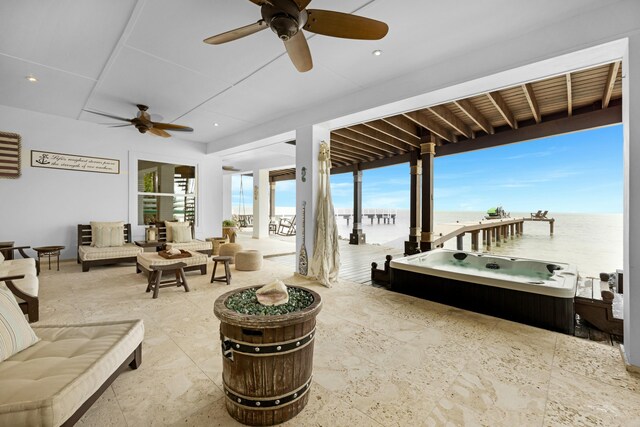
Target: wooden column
(474,240)
(484,237)
(272,200)
(428,152)
(498,236)
(412,246)
(460,242)
(488,233)
(551,223)
(357,237)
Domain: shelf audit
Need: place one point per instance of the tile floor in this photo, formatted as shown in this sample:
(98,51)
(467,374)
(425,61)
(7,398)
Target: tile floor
(381,359)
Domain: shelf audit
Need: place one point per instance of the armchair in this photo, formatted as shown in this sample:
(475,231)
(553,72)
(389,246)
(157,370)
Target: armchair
(20,276)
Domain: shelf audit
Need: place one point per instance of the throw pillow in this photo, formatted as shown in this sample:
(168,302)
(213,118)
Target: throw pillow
(1,257)
(15,332)
(95,224)
(169,226)
(181,234)
(106,237)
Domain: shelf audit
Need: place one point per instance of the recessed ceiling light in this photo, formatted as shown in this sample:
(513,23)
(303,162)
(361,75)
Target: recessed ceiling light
(216,124)
(31,78)
(376,52)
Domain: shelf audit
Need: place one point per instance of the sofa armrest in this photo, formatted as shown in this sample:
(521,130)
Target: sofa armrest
(19,249)
(8,278)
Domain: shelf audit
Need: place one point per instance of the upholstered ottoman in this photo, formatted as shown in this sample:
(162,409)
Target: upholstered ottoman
(230,249)
(248,260)
(197,261)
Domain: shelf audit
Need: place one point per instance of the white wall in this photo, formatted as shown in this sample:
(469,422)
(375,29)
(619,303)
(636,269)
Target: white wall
(44,206)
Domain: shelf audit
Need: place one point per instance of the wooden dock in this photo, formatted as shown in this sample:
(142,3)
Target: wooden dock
(488,232)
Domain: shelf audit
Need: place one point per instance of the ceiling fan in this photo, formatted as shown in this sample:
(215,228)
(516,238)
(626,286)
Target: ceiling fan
(287,18)
(144,124)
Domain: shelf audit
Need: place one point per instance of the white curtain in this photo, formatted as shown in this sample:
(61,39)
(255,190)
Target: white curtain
(325,263)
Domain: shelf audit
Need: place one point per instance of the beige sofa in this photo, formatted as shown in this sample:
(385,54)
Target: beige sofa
(90,256)
(20,276)
(55,381)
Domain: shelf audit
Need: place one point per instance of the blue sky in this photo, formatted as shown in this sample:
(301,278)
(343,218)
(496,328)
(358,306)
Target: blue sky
(579,172)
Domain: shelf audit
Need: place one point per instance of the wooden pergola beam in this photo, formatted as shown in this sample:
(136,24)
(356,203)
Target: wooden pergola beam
(533,102)
(452,120)
(348,155)
(610,82)
(569,96)
(575,123)
(374,164)
(472,112)
(362,154)
(357,137)
(380,136)
(503,109)
(393,132)
(421,119)
(363,147)
(405,125)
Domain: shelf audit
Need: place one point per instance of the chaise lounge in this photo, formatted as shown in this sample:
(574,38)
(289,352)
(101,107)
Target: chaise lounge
(20,276)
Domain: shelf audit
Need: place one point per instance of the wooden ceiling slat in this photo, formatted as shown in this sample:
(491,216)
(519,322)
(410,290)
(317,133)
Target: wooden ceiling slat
(351,153)
(421,119)
(503,109)
(393,132)
(380,136)
(350,148)
(452,120)
(472,112)
(350,135)
(608,87)
(404,124)
(533,102)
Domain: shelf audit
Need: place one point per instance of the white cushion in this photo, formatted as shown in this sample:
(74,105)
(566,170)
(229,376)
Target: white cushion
(128,250)
(29,285)
(147,259)
(1,257)
(19,263)
(107,237)
(181,234)
(193,245)
(45,384)
(96,224)
(15,332)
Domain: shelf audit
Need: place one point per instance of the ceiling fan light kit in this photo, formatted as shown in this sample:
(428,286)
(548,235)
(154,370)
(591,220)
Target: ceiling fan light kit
(287,19)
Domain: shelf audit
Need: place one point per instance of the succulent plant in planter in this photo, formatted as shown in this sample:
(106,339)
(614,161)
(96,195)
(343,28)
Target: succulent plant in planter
(229,229)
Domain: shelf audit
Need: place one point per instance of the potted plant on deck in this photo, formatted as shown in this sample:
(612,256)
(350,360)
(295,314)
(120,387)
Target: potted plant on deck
(230,229)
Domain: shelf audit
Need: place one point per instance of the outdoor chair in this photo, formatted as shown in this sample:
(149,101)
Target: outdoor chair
(287,227)
(537,214)
(544,214)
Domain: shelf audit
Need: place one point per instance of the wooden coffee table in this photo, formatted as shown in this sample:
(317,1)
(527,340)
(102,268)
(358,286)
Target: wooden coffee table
(49,251)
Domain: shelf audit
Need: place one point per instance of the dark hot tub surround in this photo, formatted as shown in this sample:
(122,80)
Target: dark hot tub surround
(538,293)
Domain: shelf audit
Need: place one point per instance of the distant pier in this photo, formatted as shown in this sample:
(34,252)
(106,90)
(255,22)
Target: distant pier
(489,232)
(387,216)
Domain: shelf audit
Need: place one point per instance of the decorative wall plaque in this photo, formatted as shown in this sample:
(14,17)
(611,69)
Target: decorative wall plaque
(9,155)
(49,160)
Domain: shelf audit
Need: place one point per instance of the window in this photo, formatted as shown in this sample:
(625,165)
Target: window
(166,192)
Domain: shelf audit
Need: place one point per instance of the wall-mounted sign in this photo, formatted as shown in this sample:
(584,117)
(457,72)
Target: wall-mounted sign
(9,155)
(46,159)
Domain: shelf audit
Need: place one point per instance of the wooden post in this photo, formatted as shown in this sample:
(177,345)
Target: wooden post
(488,233)
(551,222)
(272,200)
(459,241)
(512,230)
(505,233)
(412,246)
(484,237)
(357,237)
(498,236)
(474,240)
(428,152)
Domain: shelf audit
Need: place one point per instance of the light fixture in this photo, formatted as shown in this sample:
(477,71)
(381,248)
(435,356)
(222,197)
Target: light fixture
(376,52)
(216,124)
(32,78)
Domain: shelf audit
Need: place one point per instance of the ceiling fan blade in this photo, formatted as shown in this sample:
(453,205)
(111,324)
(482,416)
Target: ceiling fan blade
(302,4)
(299,52)
(344,25)
(108,115)
(120,126)
(171,127)
(258,2)
(238,33)
(159,132)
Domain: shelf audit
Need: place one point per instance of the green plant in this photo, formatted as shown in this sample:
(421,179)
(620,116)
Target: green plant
(228,223)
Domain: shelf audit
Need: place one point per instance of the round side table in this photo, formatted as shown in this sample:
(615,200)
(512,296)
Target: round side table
(49,251)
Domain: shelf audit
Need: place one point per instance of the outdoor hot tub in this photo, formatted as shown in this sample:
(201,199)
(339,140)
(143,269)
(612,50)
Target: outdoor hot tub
(538,293)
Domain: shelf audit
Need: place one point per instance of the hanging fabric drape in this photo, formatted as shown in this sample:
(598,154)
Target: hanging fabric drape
(325,263)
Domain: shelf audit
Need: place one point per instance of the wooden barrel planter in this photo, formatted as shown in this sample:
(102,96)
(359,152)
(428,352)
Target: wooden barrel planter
(267,361)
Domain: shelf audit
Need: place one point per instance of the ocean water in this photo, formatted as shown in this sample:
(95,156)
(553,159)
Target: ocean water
(592,242)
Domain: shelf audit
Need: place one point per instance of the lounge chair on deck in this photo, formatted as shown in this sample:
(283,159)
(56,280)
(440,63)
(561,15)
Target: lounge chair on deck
(537,214)
(287,227)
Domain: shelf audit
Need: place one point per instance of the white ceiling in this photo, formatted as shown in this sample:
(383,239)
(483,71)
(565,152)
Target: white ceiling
(110,55)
